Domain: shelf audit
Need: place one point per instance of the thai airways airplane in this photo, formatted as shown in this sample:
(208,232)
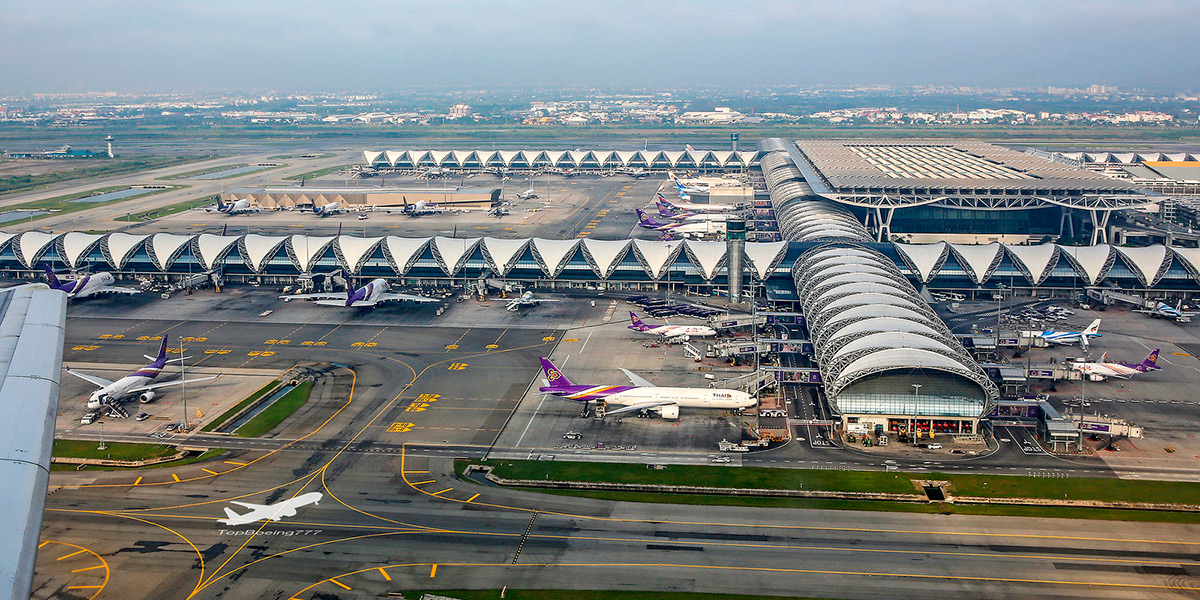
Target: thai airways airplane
(87,286)
(420,208)
(696,229)
(1118,370)
(237,207)
(704,208)
(273,512)
(669,330)
(136,383)
(665,211)
(1072,337)
(367,296)
(325,210)
(648,222)
(525,299)
(643,395)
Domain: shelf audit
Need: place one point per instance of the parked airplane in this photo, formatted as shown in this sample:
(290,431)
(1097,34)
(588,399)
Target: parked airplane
(643,395)
(706,208)
(89,285)
(420,208)
(669,330)
(665,211)
(527,195)
(696,229)
(237,207)
(1072,337)
(1119,370)
(273,512)
(1167,311)
(687,189)
(367,296)
(526,299)
(648,222)
(325,210)
(137,383)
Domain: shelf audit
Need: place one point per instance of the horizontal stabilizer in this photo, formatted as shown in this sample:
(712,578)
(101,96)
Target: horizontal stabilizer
(642,406)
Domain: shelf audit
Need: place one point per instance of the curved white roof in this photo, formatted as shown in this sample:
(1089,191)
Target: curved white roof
(164,248)
(707,256)
(258,249)
(31,245)
(978,259)
(403,252)
(503,254)
(1149,263)
(75,246)
(306,250)
(901,358)
(5,238)
(212,248)
(887,339)
(884,324)
(876,310)
(1188,257)
(1036,261)
(552,255)
(605,254)
(1090,262)
(855,288)
(925,258)
(370,156)
(452,253)
(765,256)
(897,298)
(657,255)
(353,251)
(120,247)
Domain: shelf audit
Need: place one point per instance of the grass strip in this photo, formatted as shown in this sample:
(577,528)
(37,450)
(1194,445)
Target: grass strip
(511,594)
(315,174)
(225,416)
(167,211)
(60,205)
(19,183)
(204,171)
(203,456)
(278,411)
(115,450)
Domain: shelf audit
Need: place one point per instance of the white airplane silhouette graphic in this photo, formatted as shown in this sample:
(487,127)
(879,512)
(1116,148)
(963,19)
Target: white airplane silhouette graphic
(274,512)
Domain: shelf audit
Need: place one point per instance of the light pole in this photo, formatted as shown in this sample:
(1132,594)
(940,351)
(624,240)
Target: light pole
(183,385)
(912,430)
(999,308)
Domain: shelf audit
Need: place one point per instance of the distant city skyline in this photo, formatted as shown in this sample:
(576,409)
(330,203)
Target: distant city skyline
(145,46)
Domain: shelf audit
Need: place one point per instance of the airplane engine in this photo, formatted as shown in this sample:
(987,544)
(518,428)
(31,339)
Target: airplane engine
(669,412)
(146,397)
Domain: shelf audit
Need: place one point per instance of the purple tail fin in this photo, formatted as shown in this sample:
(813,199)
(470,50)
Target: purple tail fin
(554,377)
(161,359)
(646,220)
(51,277)
(637,325)
(1148,364)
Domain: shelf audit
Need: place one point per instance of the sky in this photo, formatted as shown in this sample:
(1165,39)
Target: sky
(249,45)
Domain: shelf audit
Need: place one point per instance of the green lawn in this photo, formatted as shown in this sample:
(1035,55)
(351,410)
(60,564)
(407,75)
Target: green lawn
(225,416)
(275,414)
(203,456)
(512,594)
(204,171)
(115,450)
(315,174)
(168,210)
(102,168)
(63,204)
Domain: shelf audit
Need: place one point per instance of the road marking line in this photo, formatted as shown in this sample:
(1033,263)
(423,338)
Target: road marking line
(413,472)
(175,476)
(88,569)
(385,574)
(422,482)
(472,497)
(84,587)
(43,544)
(139,480)
(340,584)
(208,471)
(71,554)
(441,492)
(234,462)
(433,571)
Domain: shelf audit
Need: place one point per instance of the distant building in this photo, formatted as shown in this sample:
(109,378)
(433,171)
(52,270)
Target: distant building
(61,153)
(459,111)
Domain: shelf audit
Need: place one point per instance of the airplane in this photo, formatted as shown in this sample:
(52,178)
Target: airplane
(237,207)
(1166,311)
(669,330)
(694,229)
(527,195)
(648,222)
(1119,370)
(325,210)
(686,189)
(89,285)
(137,383)
(273,512)
(526,299)
(706,208)
(643,395)
(1072,337)
(665,210)
(420,208)
(367,296)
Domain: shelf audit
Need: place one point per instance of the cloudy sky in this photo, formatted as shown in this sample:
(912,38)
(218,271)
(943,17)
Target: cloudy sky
(180,45)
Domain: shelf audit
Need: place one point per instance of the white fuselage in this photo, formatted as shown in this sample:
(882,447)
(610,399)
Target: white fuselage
(525,300)
(704,218)
(1106,369)
(375,289)
(684,397)
(678,330)
(91,285)
(119,389)
(704,208)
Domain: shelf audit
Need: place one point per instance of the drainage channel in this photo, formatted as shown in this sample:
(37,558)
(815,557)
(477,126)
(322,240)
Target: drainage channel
(250,414)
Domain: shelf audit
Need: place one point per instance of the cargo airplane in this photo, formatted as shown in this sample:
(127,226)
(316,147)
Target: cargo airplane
(87,286)
(643,395)
(134,384)
(1118,370)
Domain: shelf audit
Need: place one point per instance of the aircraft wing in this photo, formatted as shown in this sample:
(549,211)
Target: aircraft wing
(31,359)
(389,297)
(341,302)
(96,381)
(642,406)
(251,506)
(170,383)
(318,296)
(119,290)
(636,379)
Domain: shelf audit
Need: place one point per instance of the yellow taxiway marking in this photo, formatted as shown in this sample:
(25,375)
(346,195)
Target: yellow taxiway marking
(423,482)
(87,569)
(84,587)
(441,492)
(42,544)
(433,571)
(208,471)
(412,472)
(175,476)
(234,462)
(139,480)
(71,554)
(340,584)
(385,574)
(472,497)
